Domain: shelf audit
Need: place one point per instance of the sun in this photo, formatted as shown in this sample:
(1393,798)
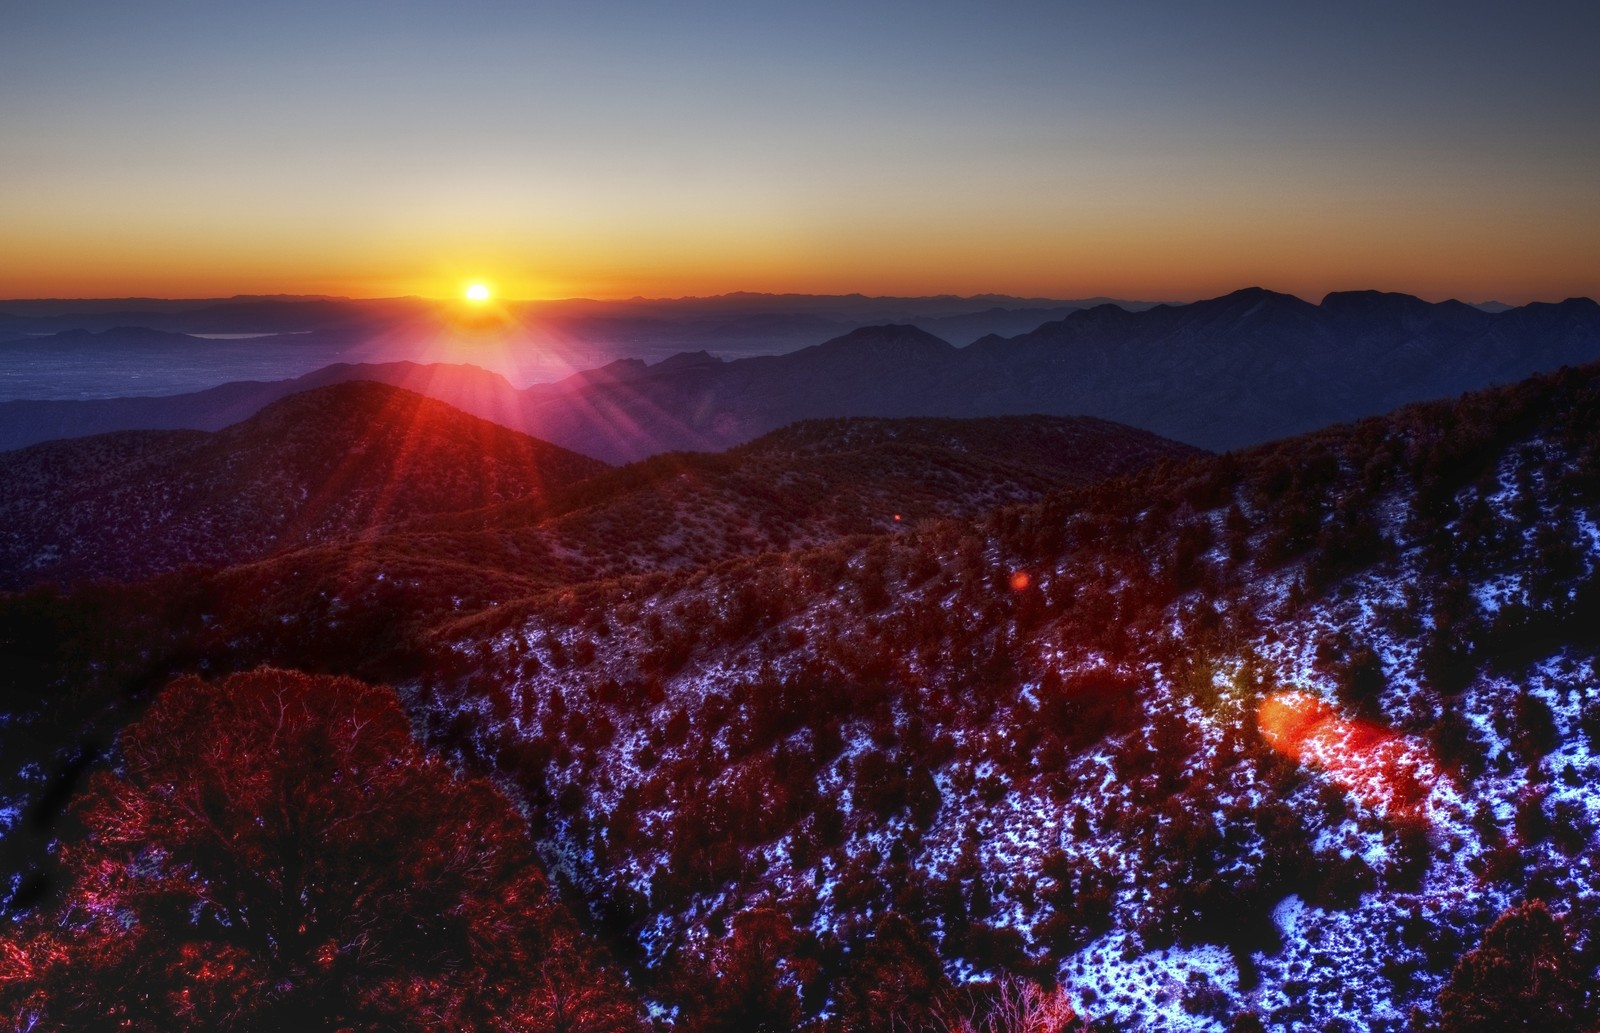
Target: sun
(478,292)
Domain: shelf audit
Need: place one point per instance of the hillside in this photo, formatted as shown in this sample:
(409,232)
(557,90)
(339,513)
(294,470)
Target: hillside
(1297,737)
(1271,739)
(813,484)
(26,422)
(808,484)
(321,466)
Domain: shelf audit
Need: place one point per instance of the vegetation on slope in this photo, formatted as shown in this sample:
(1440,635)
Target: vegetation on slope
(1297,737)
(1047,741)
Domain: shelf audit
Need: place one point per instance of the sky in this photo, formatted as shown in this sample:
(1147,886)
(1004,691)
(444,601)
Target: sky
(1163,151)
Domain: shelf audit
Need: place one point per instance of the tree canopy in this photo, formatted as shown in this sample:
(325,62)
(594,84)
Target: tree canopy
(277,852)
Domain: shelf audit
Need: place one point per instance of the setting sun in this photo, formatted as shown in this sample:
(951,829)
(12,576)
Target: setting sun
(478,292)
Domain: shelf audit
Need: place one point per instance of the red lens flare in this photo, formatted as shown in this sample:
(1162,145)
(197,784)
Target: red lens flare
(1384,770)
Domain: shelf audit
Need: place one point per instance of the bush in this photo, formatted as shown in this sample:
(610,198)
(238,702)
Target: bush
(1524,975)
(256,866)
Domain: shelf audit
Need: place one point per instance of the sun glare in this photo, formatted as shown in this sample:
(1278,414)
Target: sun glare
(478,292)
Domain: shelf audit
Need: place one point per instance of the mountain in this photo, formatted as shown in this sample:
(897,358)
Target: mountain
(1218,374)
(805,485)
(964,328)
(1299,736)
(135,504)
(532,340)
(707,404)
(392,588)
(324,465)
(1255,365)
(27,422)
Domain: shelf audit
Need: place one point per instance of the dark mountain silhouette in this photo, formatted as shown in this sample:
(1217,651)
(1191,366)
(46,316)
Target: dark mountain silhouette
(1256,365)
(1231,371)
(740,322)
(631,410)
(469,388)
(1223,373)
(320,466)
(965,328)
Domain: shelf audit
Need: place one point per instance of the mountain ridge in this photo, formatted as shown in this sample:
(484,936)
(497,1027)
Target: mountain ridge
(1246,367)
(332,463)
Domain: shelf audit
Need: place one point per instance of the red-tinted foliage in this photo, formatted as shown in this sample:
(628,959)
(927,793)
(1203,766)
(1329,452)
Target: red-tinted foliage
(1524,975)
(753,981)
(278,853)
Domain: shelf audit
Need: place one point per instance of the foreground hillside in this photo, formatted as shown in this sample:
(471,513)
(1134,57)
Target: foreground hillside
(1272,739)
(365,595)
(1302,737)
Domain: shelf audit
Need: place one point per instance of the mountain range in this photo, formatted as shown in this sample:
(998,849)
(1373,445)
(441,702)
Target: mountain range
(576,317)
(1218,374)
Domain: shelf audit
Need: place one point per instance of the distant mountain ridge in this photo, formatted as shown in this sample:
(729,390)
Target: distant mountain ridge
(1219,374)
(1236,370)
(729,318)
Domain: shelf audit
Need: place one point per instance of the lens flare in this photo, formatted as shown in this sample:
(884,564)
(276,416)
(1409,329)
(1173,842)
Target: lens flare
(1387,771)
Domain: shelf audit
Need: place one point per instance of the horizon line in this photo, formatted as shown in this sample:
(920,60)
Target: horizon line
(287,296)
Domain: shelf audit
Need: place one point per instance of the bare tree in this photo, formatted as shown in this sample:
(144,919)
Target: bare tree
(1018,1006)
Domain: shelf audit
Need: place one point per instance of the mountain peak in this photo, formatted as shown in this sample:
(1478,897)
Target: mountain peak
(898,336)
(1256,294)
(1391,299)
(1243,302)
(687,360)
(329,464)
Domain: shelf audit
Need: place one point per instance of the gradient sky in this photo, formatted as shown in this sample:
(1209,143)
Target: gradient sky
(1152,150)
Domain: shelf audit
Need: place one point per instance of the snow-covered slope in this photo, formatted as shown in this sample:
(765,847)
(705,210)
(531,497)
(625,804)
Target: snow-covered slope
(1268,738)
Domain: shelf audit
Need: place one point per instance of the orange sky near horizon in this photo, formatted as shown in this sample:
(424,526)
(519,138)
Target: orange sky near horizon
(1180,260)
(1096,236)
